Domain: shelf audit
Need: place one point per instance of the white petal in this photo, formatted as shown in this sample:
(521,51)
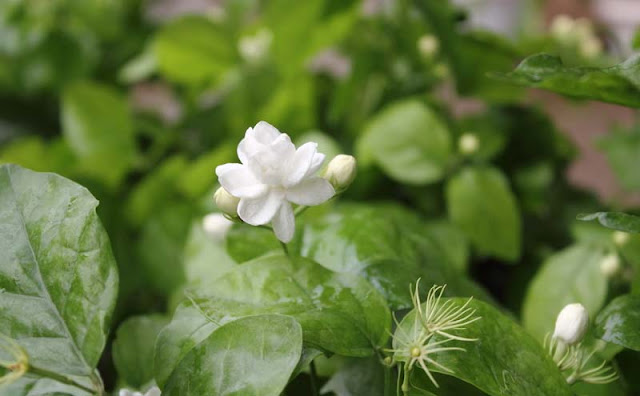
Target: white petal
(265,133)
(248,146)
(284,223)
(313,191)
(238,180)
(125,392)
(316,164)
(270,165)
(155,391)
(259,211)
(300,163)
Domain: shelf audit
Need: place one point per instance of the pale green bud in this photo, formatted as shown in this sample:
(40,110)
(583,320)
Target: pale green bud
(226,202)
(610,265)
(428,45)
(468,143)
(341,171)
(620,238)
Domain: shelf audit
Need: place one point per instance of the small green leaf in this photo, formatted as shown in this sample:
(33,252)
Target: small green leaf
(504,361)
(570,276)
(408,141)
(193,50)
(614,220)
(97,125)
(618,84)
(252,356)
(339,313)
(356,378)
(58,276)
(133,348)
(481,203)
(619,322)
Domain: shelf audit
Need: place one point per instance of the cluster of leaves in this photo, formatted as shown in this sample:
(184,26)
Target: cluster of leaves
(201,316)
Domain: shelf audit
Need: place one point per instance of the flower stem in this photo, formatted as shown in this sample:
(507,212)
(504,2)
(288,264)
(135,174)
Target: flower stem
(313,379)
(285,248)
(62,379)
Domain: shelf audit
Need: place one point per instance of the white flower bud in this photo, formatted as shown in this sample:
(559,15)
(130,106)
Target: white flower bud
(468,143)
(620,238)
(226,202)
(610,265)
(590,47)
(562,27)
(428,45)
(341,171)
(571,324)
(216,225)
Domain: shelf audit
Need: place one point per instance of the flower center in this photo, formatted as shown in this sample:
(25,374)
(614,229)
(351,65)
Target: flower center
(415,352)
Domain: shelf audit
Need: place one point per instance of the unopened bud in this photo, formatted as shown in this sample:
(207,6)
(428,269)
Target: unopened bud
(610,265)
(226,202)
(341,171)
(216,226)
(620,238)
(571,324)
(590,47)
(468,143)
(428,45)
(562,27)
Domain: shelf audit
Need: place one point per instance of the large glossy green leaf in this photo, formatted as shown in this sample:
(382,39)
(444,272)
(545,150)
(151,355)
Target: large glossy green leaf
(339,313)
(357,377)
(97,125)
(193,50)
(481,203)
(408,141)
(615,220)
(252,356)
(504,361)
(618,84)
(205,259)
(619,322)
(133,348)
(387,245)
(58,277)
(570,276)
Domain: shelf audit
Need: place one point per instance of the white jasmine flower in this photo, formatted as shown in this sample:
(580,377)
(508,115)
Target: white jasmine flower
(155,391)
(226,202)
(571,324)
(216,226)
(468,143)
(341,171)
(272,175)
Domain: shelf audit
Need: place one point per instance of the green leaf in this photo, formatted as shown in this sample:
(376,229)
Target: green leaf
(619,322)
(339,313)
(58,276)
(618,84)
(504,360)
(451,240)
(622,149)
(570,276)
(250,356)
(614,220)
(193,50)
(133,348)
(385,244)
(408,141)
(204,259)
(481,203)
(245,242)
(357,377)
(97,125)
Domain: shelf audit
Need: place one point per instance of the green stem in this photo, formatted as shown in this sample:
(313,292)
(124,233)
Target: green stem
(62,379)
(387,380)
(313,379)
(285,248)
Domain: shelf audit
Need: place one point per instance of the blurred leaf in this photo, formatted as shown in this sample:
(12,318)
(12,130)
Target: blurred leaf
(339,313)
(452,241)
(133,348)
(623,153)
(504,361)
(618,84)
(98,127)
(33,153)
(569,276)
(252,356)
(481,203)
(59,280)
(614,220)
(619,322)
(408,141)
(204,258)
(200,177)
(193,50)
(357,377)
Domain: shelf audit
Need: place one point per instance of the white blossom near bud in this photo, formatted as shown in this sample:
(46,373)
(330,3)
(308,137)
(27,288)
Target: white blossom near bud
(216,226)
(341,171)
(610,265)
(620,238)
(155,391)
(468,143)
(272,175)
(571,324)
(428,45)
(226,202)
